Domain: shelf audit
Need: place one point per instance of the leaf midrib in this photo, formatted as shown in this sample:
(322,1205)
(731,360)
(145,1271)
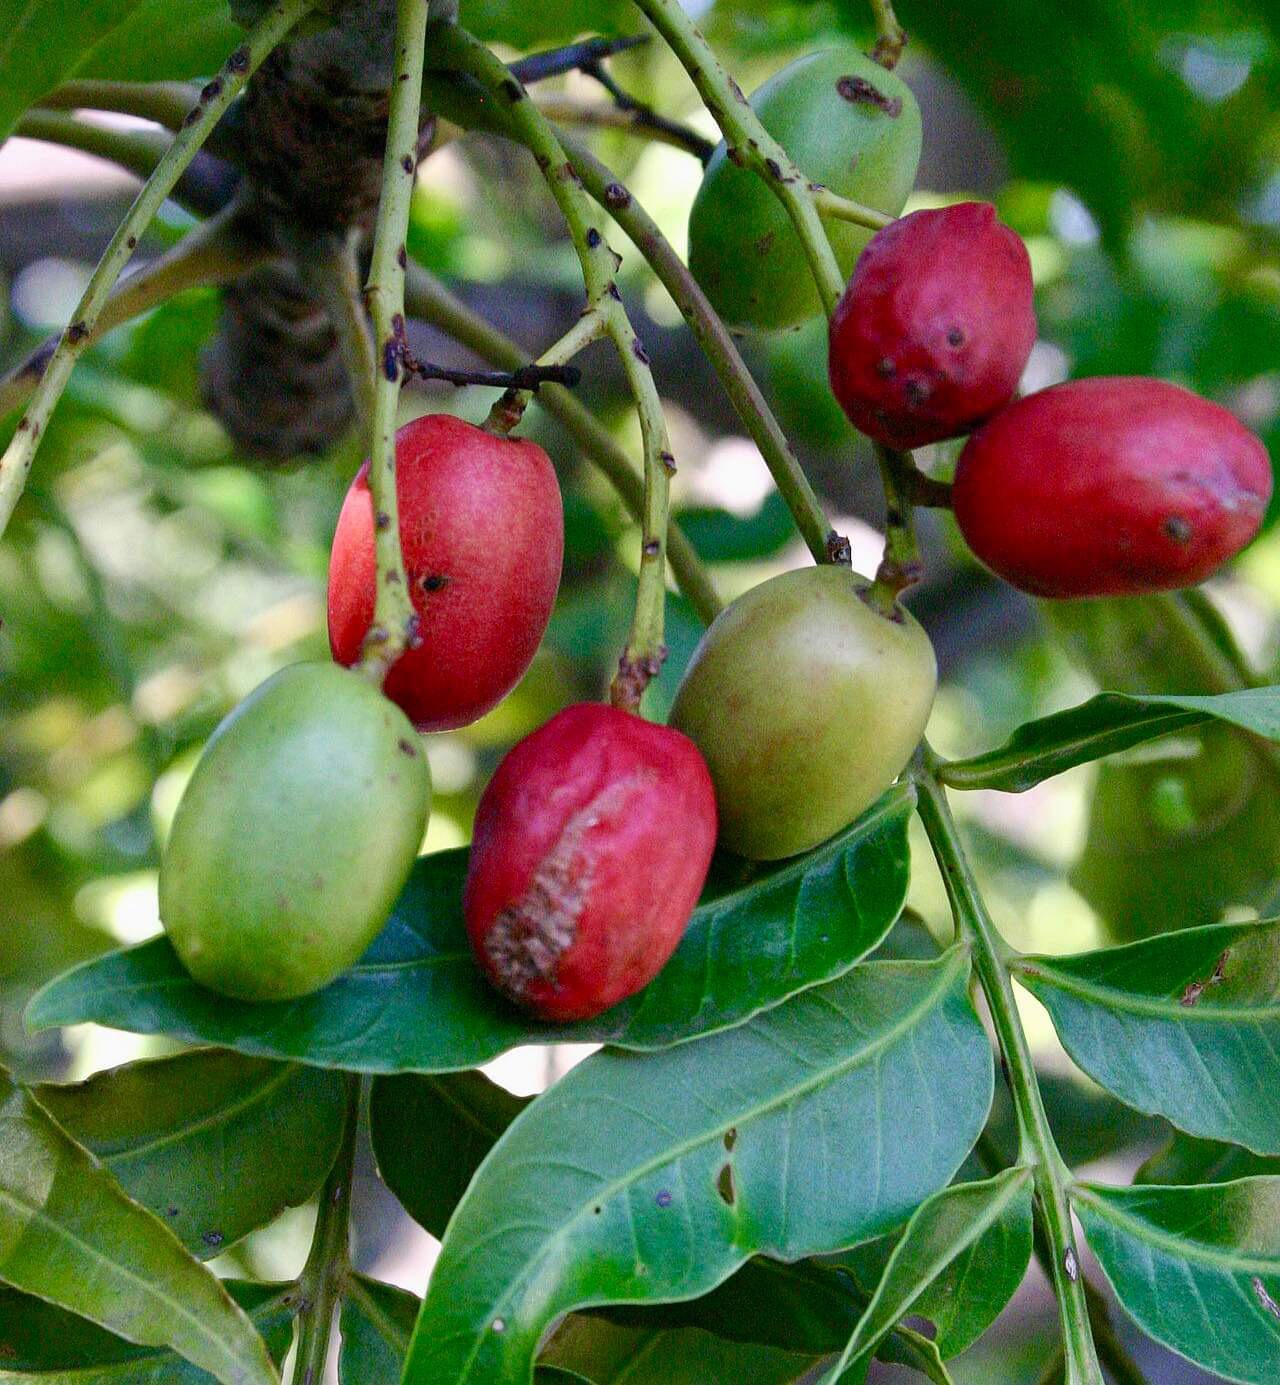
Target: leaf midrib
(959,953)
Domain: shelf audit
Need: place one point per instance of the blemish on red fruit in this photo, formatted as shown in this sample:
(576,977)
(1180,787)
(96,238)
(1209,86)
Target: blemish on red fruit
(943,299)
(591,847)
(482,533)
(1110,487)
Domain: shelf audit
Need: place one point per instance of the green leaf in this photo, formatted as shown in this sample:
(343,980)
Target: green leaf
(1185,1026)
(37,1338)
(68,1234)
(214,1144)
(984,1229)
(431,1133)
(1197,1268)
(1188,1160)
(1103,725)
(721,537)
(904,1347)
(162,41)
(376,1324)
(417,1001)
(608,1354)
(648,1177)
(524,25)
(43,41)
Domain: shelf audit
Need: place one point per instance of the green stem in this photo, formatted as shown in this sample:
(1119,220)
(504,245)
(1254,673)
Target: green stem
(330,267)
(752,144)
(837,208)
(645,651)
(324,1274)
(1036,1143)
(214,100)
(901,567)
(167,103)
(394,622)
(509,409)
(891,37)
(717,345)
(430,300)
(215,252)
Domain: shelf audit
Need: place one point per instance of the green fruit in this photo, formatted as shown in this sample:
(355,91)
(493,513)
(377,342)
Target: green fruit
(806,705)
(848,124)
(295,835)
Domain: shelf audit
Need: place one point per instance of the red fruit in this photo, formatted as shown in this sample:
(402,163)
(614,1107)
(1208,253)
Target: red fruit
(1110,487)
(482,532)
(591,847)
(935,327)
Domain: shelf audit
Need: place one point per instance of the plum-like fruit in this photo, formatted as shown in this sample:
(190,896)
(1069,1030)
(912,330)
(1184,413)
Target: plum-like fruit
(482,533)
(849,125)
(932,334)
(806,704)
(296,833)
(591,846)
(1109,487)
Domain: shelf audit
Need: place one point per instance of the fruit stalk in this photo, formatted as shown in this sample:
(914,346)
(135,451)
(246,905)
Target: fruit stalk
(433,302)
(643,656)
(840,208)
(747,137)
(509,409)
(891,37)
(324,1273)
(717,345)
(394,622)
(900,567)
(1036,1143)
(217,95)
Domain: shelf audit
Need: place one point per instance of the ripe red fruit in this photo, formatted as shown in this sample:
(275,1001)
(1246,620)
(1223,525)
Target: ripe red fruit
(591,847)
(932,334)
(482,532)
(1110,487)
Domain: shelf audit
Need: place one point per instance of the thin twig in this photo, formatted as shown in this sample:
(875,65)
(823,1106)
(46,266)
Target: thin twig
(555,62)
(564,110)
(645,116)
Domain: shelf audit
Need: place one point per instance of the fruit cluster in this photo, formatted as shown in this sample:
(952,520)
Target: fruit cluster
(807,695)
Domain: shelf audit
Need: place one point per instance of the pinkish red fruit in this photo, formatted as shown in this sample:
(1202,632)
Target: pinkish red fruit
(934,330)
(1110,487)
(482,533)
(591,848)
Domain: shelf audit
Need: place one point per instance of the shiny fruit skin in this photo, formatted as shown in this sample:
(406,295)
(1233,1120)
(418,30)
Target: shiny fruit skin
(482,532)
(295,835)
(849,125)
(932,334)
(806,704)
(1110,487)
(591,847)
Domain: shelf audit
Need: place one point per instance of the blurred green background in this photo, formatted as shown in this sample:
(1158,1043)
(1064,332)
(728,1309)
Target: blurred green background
(152,577)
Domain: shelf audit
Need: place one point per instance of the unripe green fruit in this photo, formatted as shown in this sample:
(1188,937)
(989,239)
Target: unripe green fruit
(295,835)
(848,124)
(806,705)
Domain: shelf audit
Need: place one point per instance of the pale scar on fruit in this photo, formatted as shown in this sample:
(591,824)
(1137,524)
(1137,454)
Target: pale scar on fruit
(530,935)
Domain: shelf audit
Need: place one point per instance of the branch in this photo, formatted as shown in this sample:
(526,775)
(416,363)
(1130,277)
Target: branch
(645,650)
(1036,1142)
(324,1274)
(205,187)
(16,462)
(716,343)
(555,62)
(680,135)
(633,120)
(428,299)
(216,252)
(394,626)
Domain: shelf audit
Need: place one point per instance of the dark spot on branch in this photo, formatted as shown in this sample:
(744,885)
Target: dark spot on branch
(191,117)
(76,333)
(402,258)
(408,164)
(651,548)
(724,1185)
(382,520)
(393,576)
(858,91)
(513,91)
(1071,1264)
(638,351)
(774,169)
(668,463)
(616,197)
(839,550)
(391,358)
(211,91)
(239,60)
(594,238)
(543,162)
(132,242)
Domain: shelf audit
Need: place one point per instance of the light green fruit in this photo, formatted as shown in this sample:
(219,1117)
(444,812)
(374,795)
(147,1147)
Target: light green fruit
(295,835)
(742,248)
(806,704)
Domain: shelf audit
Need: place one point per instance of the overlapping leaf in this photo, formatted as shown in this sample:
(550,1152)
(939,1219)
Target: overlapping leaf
(1186,1026)
(640,1179)
(198,1138)
(1105,724)
(57,1348)
(971,1225)
(376,1323)
(1197,1268)
(68,1234)
(417,1001)
(1188,1160)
